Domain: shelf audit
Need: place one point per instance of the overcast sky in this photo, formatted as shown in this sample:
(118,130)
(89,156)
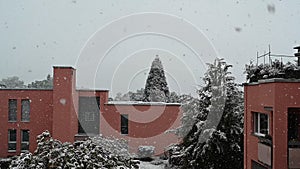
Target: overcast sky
(112,43)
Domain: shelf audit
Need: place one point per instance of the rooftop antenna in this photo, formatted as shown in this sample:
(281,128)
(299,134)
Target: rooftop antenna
(264,58)
(256,58)
(270,61)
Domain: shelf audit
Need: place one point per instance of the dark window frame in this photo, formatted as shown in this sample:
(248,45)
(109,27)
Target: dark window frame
(25,141)
(85,118)
(261,124)
(12,140)
(12,110)
(124,124)
(294,127)
(25,111)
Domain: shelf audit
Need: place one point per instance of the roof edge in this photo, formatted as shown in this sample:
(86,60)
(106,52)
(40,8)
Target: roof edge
(139,103)
(35,89)
(272,80)
(63,67)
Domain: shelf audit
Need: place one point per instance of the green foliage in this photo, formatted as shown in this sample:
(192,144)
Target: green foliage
(96,152)
(12,82)
(190,107)
(156,88)
(130,96)
(276,69)
(209,145)
(42,84)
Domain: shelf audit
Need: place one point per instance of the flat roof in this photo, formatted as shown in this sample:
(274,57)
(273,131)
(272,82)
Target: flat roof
(141,103)
(87,90)
(43,89)
(64,67)
(272,80)
(92,90)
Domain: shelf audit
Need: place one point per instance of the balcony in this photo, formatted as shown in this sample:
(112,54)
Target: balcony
(265,153)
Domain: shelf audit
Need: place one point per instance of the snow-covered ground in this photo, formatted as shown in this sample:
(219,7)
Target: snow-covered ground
(149,165)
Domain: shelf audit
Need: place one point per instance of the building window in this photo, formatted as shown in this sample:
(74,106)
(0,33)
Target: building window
(12,110)
(12,140)
(24,140)
(124,123)
(25,116)
(261,124)
(294,126)
(89,116)
(256,165)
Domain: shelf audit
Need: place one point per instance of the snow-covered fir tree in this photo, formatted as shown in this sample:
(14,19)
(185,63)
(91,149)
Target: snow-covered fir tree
(190,107)
(156,88)
(216,138)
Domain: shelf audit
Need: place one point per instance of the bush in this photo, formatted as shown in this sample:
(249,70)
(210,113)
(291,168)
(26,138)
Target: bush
(276,69)
(146,153)
(96,152)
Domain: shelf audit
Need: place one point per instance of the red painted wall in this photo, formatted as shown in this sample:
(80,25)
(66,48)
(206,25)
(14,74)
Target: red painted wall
(41,109)
(280,96)
(147,124)
(65,105)
(56,110)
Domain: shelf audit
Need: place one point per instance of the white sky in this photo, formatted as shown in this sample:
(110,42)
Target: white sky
(37,34)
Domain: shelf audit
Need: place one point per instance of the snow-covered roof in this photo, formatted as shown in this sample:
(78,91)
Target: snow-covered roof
(24,89)
(141,103)
(95,89)
(273,80)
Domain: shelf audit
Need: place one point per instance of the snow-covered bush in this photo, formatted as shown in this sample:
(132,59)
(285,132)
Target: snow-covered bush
(276,69)
(96,152)
(146,152)
(4,162)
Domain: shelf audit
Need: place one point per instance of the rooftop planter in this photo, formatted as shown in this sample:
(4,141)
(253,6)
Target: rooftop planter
(274,70)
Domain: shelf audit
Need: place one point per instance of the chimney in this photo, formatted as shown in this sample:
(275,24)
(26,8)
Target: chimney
(64,103)
(297,54)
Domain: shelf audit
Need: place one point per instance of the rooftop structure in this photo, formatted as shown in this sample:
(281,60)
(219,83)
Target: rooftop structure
(272,124)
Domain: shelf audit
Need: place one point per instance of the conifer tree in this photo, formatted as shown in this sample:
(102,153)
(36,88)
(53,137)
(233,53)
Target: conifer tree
(211,145)
(156,88)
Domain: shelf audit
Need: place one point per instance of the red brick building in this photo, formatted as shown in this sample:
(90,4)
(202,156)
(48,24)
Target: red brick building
(272,124)
(70,114)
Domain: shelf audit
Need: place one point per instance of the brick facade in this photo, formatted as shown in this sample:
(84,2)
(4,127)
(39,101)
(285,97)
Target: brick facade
(277,101)
(57,110)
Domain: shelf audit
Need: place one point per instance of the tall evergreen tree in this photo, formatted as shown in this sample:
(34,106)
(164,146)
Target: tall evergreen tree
(156,88)
(211,145)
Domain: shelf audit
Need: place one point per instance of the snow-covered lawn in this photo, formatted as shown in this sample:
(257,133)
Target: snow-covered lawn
(148,165)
